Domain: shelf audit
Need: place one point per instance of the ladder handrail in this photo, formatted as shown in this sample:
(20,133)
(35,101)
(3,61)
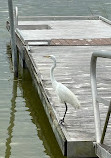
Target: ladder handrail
(99,134)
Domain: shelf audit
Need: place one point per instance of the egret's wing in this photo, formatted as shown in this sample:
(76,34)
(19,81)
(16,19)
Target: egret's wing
(65,95)
(63,92)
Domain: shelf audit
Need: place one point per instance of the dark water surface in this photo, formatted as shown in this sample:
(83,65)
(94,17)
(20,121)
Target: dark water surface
(24,129)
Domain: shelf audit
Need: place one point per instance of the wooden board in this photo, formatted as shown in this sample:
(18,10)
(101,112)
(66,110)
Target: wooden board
(69,29)
(79,42)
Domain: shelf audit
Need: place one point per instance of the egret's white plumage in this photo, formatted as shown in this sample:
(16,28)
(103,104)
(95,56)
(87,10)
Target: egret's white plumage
(63,93)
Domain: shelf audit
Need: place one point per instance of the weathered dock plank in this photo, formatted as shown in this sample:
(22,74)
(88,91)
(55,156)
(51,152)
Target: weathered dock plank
(72,41)
(81,42)
(65,29)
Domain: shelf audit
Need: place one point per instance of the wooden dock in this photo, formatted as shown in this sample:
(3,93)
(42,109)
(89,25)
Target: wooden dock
(72,40)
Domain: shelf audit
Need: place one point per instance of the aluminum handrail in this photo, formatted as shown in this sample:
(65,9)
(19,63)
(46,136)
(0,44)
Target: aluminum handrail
(99,134)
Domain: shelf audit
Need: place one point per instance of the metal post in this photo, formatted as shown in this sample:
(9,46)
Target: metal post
(13,38)
(94,99)
(106,123)
(16,17)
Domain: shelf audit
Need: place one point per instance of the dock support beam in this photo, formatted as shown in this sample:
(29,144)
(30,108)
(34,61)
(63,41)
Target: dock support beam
(13,39)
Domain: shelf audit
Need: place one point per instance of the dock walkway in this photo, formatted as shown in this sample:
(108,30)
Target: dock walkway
(71,40)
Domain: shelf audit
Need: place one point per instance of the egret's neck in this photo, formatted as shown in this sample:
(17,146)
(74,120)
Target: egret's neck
(52,72)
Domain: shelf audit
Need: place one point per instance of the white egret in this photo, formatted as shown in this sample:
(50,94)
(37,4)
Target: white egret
(63,93)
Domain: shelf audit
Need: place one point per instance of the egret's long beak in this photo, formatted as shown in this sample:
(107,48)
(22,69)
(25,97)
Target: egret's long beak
(46,56)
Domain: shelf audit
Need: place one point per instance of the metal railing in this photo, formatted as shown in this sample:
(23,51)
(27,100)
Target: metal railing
(100,134)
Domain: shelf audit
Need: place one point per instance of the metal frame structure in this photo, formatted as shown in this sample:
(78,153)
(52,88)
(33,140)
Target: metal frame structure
(95,99)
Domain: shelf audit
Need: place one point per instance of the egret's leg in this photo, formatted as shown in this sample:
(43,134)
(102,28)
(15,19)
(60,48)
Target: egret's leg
(62,120)
(65,112)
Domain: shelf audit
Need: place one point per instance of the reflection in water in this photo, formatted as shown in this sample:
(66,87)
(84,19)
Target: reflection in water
(39,117)
(29,131)
(12,109)
(9,55)
(12,118)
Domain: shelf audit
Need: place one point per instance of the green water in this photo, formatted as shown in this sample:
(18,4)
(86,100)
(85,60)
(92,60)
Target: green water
(24,129)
